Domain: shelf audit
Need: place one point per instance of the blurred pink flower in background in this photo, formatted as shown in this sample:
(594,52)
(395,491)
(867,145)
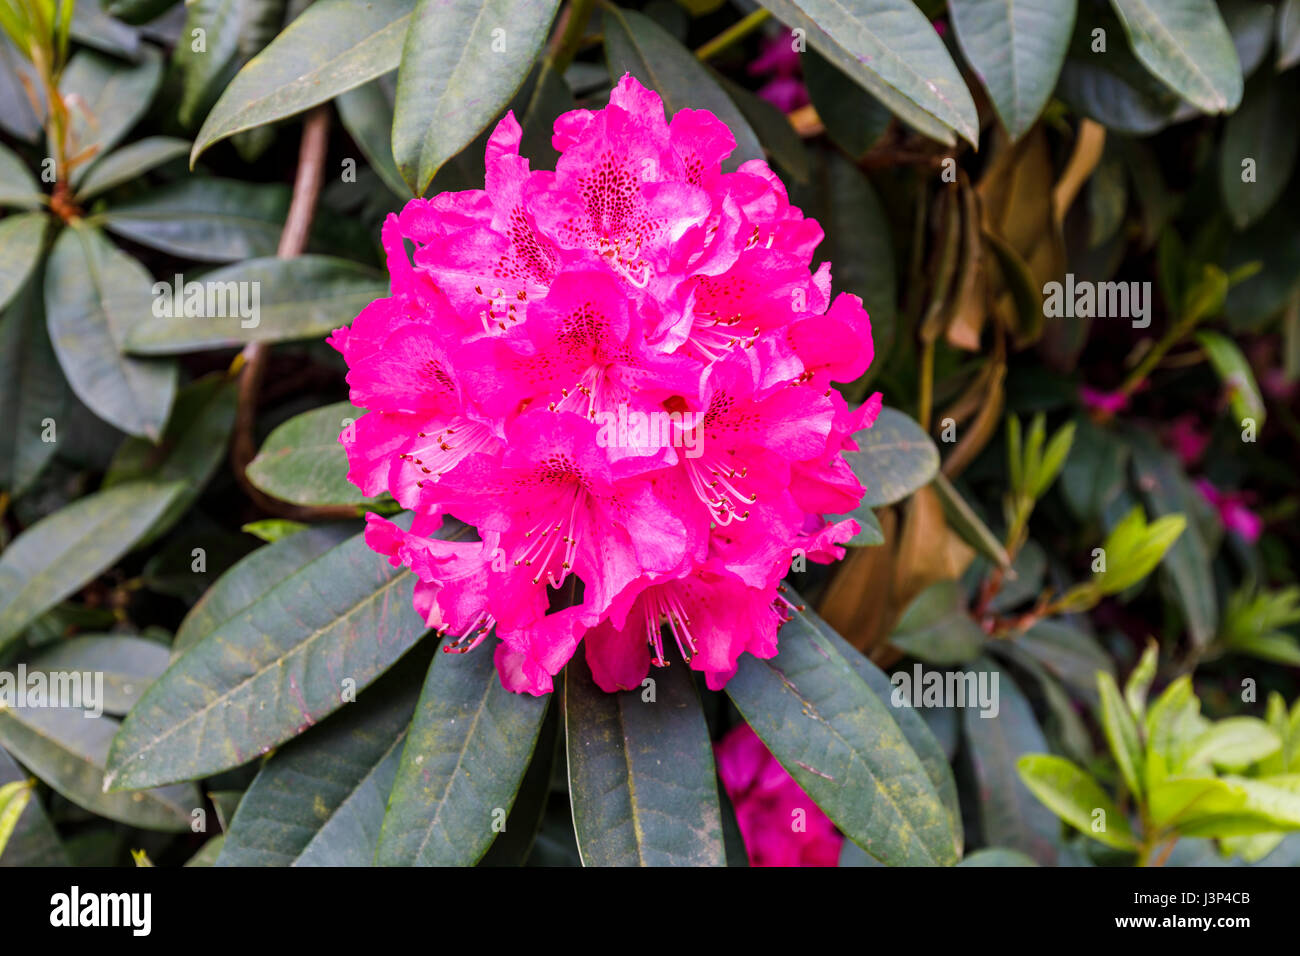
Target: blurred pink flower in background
(1187,439)
(1097,400)
(767,801)
(1232,509)
(779,58)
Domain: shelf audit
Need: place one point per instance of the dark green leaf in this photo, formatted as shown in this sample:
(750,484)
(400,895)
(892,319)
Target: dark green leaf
(1186,44)
(129,163)
(840,743)
(58,555)
(21,237)
(32,391)
(465,755)
(1016,48)
(319,801)
(641,774)
(66,749)
(278,667)
(461,63)
(110,97)
(1262,133)
(895,458)
(854,119)
(302,298)
(334,46)
(304,461)
(890,48)
(252,577)
(637,45)
(34,841)
(94,295)
(129,664)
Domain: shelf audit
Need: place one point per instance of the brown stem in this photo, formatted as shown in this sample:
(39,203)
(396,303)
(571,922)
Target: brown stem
(251,364)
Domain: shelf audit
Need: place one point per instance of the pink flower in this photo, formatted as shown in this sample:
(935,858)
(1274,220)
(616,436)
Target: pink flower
(1234,514)
(619,374)
(1187,439)
(779,57)
(1106,402)
(780,825)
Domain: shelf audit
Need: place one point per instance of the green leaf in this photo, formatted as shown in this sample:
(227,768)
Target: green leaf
(137,11)
(1121,734)
(909,720)
(13,801)
(109,95)
(233,30)
(250,578)
(890,48)
(1173,723)
(641,774)
(212,220)
(95,294)
(129,163)
(937,628)
(1186,562)
(32,391)
(129,664)
(469,744)
(963,520)
(997,856)
(842,746)
(636,44)
(1262,132)
(34,841)
(1069,654)
(17,185)
(1233,743)
(66,749)
(1139,681)
(515,843)
(461,64)
(772,128)
(1186,44)
(895,458)
(854,119)
(1288,35)
(21,238)
(1016,48)
(1237,376)
(319,800)
(192,447)
(60,554)
(304,461)
(1008,813)
(302,298)
(1075,797)
(332,47)
(367,114)
(858,244)
(1095,473)
(273,529)
(273,670)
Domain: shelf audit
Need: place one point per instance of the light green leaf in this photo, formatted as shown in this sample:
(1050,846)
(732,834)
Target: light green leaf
(129,163)
(1074,796)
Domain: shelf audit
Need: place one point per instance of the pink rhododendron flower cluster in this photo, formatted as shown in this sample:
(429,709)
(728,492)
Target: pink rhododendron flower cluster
(767,801)
(619,373)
